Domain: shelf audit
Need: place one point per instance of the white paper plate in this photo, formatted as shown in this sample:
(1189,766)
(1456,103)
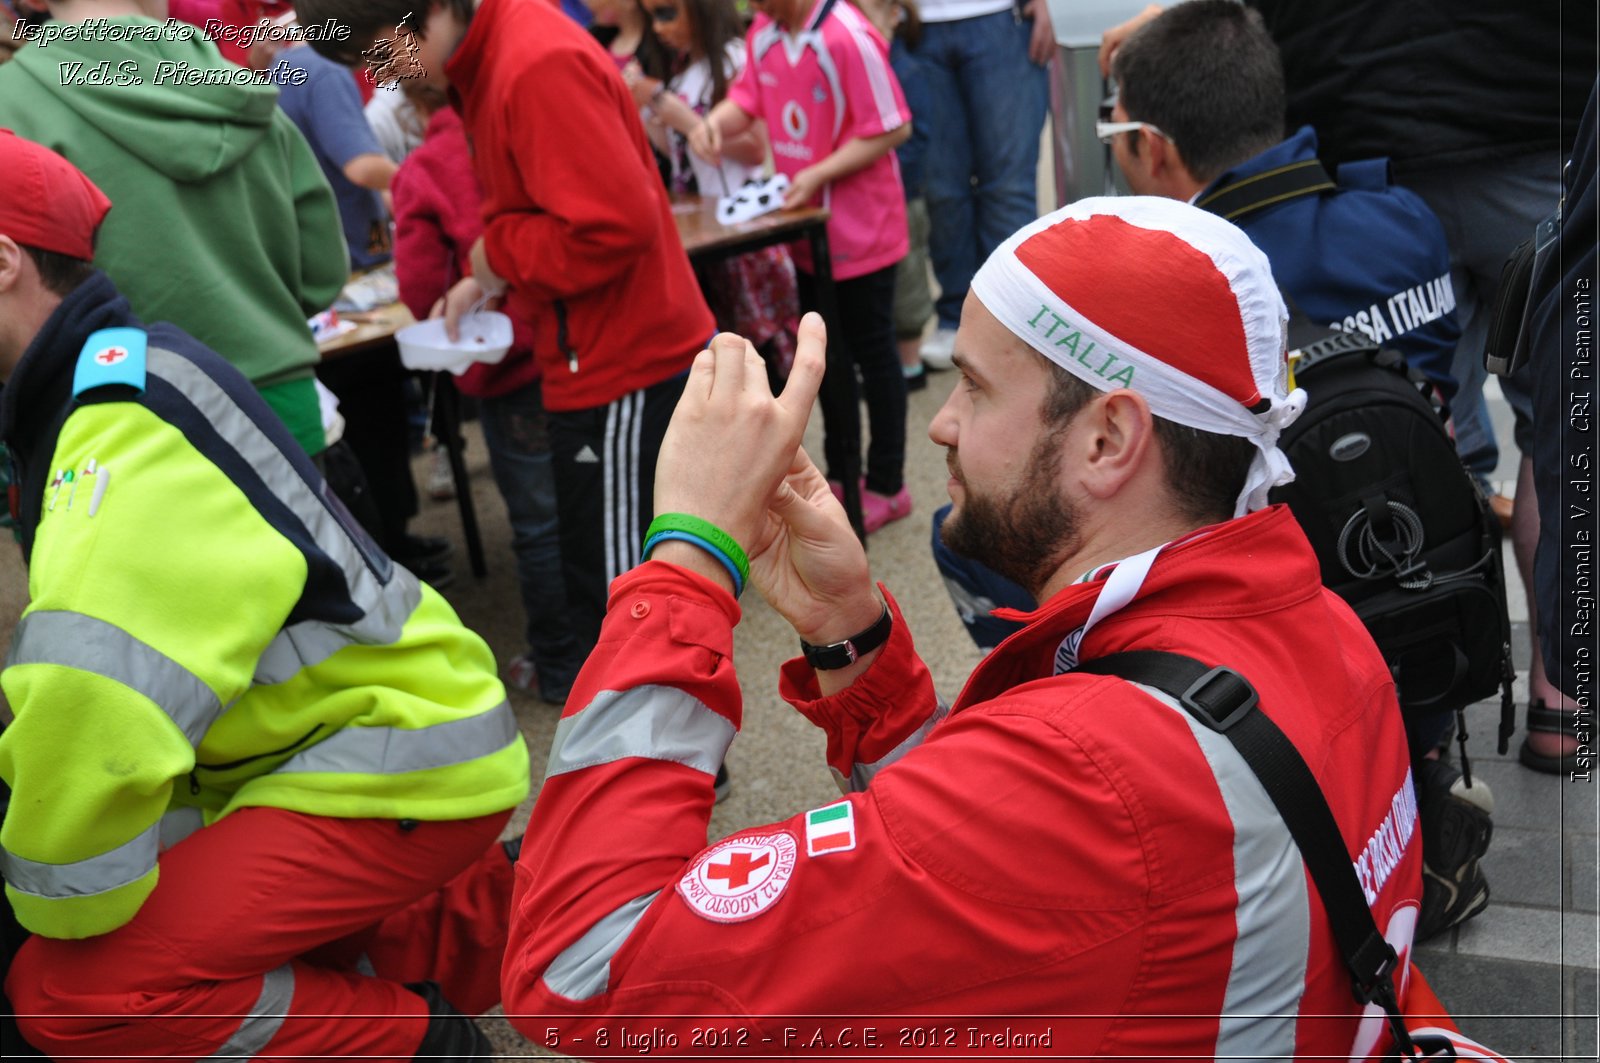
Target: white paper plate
(485,337)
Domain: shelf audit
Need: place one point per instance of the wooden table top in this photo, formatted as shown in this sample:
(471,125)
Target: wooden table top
(372,327)
(702,232)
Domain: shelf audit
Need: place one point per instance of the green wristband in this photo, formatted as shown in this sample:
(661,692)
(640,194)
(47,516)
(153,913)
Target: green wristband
(706,530)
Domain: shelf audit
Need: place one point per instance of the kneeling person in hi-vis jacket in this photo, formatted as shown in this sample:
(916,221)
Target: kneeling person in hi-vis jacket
(258,771)
(1059,843)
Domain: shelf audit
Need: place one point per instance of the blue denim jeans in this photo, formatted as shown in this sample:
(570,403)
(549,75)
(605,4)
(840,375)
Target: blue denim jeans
(517,434)
(1487,209)
(989,102)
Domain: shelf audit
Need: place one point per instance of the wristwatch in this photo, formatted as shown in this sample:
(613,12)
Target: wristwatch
(844,654)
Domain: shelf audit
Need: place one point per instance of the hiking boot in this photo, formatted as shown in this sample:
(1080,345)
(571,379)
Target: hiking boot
(1455,834)
(451,1037)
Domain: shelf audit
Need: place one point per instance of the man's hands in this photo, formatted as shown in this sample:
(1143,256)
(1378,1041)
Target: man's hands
(732,456)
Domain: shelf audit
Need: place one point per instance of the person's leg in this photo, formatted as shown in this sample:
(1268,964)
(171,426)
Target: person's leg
(866,310)
(577,443)
(215,962)
(952,240)
(605,464)
(516,432)
(372,400)
(1487,210)
(833,455)
(1007,97)
(913,301)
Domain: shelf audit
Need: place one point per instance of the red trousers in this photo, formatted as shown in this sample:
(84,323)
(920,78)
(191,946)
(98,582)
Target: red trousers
(285,935)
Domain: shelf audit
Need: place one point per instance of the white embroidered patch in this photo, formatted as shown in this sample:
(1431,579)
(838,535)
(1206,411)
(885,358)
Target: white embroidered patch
(739,878)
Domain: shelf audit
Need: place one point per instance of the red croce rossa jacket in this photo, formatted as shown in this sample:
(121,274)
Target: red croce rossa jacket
(1070,856)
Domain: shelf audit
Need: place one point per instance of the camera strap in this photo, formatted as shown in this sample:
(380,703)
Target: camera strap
(1262,190)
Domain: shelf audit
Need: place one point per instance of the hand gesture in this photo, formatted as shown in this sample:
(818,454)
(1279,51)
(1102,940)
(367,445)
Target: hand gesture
(730,441)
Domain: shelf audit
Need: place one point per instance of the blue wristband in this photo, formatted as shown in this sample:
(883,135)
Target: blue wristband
(704,544)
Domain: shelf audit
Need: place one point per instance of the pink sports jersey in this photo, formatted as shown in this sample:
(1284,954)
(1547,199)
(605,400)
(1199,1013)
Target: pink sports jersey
(828,84)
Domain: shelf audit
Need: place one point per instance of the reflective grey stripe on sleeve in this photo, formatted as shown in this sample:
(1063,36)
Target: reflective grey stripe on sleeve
(87,644)
(583,968)
(128,862)
(258,1028)
(1268,975)
(862,774)
(386,606)
(314,641)
(658,722)
(178,824)
(394,750)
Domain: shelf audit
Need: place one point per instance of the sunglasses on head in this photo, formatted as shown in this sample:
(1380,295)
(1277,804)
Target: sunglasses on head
(664,13)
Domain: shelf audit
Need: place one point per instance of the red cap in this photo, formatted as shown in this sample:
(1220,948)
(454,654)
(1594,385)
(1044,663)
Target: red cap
(49,203)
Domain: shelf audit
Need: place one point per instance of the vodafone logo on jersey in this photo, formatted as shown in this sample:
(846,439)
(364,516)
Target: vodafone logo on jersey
(795,122)
(739,878)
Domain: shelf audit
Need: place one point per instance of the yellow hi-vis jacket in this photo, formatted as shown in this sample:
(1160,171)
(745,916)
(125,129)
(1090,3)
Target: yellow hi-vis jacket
(208,630)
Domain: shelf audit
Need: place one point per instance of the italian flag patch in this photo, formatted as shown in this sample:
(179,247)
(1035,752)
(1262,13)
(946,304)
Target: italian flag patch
(831,829)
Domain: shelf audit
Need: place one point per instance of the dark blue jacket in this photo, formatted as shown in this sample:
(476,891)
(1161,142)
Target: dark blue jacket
(1368,256)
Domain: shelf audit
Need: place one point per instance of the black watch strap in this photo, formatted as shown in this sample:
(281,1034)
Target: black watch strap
(844,654)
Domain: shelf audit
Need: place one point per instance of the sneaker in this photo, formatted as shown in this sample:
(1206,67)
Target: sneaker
(721,785)
(878,510)
(837,487)
(916,378)
(938,350)
(523,674)
(1456,829)
(441,486)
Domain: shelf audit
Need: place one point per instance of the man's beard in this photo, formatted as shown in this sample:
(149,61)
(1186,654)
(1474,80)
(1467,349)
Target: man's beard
(1024,537)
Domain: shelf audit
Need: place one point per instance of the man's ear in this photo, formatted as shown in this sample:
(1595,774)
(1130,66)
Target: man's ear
(1119,442)
(11,264)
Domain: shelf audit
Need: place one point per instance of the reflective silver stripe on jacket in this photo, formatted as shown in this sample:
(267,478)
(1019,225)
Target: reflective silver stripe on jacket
(862,774)
(258,1028)
(128,862)
(84,643)
(583,968)
(394,750)
(1267,978)
(658,722)
(385,607)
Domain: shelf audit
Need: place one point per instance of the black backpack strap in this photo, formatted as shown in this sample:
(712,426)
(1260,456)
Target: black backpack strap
(1224,701)
(1234,201)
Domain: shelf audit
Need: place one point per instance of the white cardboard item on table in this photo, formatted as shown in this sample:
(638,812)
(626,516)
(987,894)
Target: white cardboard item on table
(485,337)
(755,198)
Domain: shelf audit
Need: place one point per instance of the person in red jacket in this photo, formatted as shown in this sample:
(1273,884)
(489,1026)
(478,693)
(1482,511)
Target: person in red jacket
(437,220)
(578,241)
(1063,864)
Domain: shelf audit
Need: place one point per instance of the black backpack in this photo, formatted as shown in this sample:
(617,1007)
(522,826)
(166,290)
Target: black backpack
(1402,531)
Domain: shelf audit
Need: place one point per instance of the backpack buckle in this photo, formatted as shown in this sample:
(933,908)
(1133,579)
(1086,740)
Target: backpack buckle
(1220,698)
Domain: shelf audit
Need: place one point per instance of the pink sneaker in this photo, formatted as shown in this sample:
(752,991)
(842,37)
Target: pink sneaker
(837,487)
(878,510)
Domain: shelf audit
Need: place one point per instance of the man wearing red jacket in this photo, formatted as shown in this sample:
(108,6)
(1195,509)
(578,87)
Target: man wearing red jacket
(1063,864)
(578,239)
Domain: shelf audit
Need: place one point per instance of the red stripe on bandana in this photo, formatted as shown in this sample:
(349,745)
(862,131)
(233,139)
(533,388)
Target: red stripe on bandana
(1150,289)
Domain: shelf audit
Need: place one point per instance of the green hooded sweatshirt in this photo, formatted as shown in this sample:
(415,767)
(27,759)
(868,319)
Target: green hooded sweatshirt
(221,221)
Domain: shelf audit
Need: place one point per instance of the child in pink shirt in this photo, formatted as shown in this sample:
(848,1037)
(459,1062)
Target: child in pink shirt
(819,74)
